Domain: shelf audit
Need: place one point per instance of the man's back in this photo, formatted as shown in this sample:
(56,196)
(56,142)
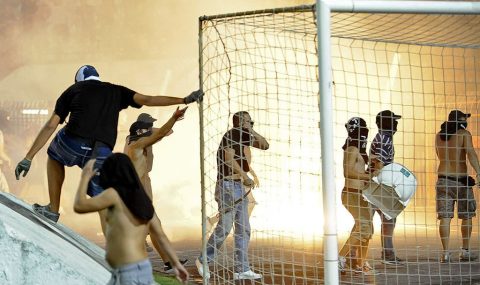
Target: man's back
(125,235)
(94,108)
(452,154)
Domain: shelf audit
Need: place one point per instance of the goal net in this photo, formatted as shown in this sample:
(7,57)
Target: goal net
(420,66)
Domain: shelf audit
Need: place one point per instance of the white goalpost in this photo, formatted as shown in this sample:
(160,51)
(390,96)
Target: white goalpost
(301,73)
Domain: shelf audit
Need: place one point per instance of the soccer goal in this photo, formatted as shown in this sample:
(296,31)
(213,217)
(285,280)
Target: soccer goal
(301,73)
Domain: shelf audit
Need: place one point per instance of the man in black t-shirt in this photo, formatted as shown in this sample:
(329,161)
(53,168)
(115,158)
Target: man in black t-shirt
(91,131)
(230,195)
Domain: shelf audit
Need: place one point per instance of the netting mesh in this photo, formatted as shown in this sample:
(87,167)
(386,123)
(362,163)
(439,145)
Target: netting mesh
(419,66)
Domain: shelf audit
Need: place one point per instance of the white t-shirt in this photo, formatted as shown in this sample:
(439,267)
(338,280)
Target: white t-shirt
(400,178)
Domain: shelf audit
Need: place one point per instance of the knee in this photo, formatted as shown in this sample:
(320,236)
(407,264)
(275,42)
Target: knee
(366,231)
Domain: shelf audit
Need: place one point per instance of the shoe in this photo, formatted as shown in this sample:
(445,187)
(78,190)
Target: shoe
(246,275)
(394,261)
(46,212)
(367,265)
(167,267)
(366,270)
(342,264)
(446,258)
(467,255)
(200,269)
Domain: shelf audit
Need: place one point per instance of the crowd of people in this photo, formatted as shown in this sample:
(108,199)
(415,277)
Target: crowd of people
(118,185)
(362,171)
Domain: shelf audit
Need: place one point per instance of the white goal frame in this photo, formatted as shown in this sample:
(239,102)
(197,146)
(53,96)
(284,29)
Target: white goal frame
(324,8)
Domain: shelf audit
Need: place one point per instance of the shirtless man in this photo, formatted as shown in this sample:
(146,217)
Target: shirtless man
(454,145)
(139,149)
(355,160)
(129,217)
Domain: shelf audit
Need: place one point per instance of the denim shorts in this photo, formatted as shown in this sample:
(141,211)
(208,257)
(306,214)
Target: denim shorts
(70,151)
(139,273)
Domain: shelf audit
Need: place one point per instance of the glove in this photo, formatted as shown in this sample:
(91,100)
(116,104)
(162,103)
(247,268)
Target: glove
(194,96)
(24,166)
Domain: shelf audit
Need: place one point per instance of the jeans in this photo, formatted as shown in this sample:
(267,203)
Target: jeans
(233,210)
(70,151)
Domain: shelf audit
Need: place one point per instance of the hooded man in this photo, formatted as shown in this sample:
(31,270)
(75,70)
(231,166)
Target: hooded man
(453,145)
(93,108)
(138,147)
(355,160)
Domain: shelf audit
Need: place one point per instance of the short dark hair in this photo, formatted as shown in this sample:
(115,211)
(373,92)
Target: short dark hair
(238,117)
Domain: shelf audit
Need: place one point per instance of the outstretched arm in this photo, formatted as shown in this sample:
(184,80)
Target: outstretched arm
(166,100)
(158,134)
(42,138)
(106,199)
(160,241)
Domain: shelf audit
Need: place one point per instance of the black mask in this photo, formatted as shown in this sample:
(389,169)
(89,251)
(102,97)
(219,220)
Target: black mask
(136,137)
(449,128)
(358,138)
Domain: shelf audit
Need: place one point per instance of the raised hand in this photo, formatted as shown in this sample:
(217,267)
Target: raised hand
(88,171)
(179,113)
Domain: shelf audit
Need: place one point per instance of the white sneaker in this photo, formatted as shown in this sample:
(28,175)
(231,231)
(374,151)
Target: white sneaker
(467,255)
(200,269)
(342,264)
(366,270)
(246,275)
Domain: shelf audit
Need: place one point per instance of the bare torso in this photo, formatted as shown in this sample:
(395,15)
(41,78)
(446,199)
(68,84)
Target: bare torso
(452,154)
(125,237)
(142,160)
(139,159)
(359,166)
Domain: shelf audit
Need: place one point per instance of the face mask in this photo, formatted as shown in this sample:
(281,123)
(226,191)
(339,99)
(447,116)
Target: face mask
(463,124)
(136,137)
(363,134)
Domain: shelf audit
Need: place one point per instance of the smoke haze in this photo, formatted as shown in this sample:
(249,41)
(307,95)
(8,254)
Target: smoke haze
(150,46)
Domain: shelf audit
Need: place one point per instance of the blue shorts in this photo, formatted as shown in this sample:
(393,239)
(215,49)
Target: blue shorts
(134,273)
(70,151)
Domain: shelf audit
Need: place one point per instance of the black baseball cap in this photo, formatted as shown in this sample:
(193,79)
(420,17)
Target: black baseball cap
(147,118)
(455,115)
(387,114)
